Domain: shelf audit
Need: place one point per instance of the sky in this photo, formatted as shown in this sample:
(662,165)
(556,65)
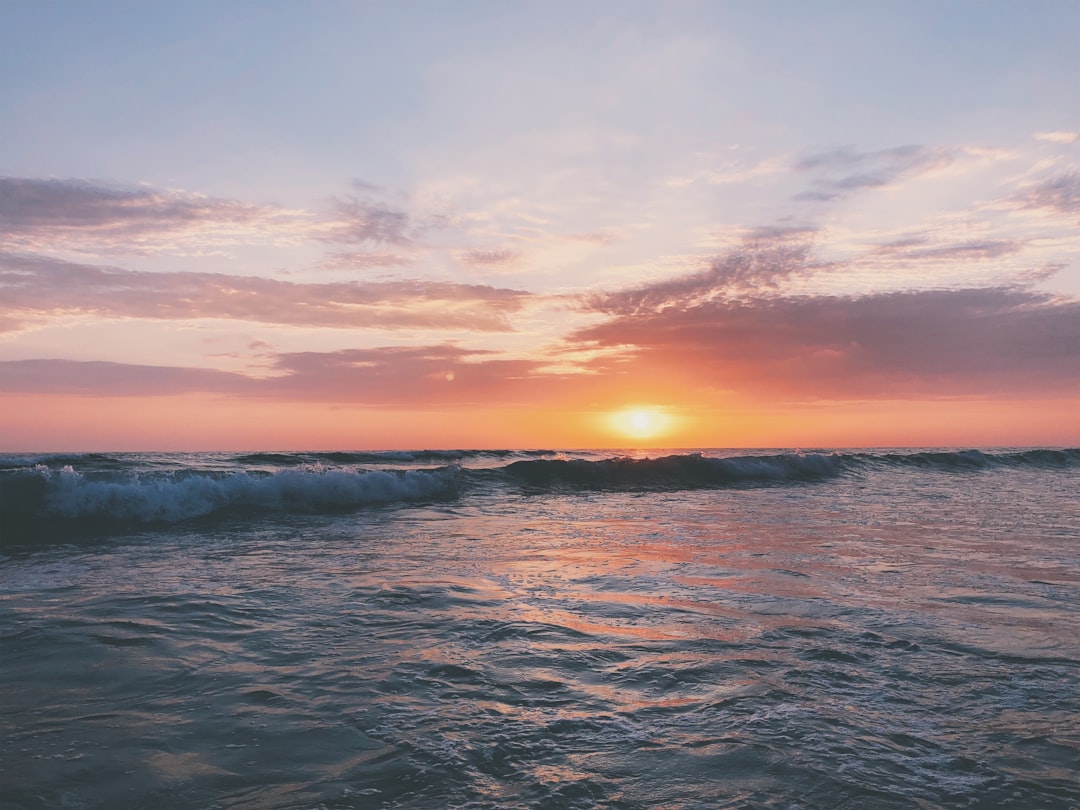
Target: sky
(372,225)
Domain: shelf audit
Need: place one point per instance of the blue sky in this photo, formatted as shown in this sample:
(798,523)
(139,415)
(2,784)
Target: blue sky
(496,177)
(230,95)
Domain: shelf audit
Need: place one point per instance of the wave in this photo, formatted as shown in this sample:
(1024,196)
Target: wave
(963,460)
(683,471)
(381,456)
(45,494)
(336,457)
(136,490)
(697,470)
(11,461)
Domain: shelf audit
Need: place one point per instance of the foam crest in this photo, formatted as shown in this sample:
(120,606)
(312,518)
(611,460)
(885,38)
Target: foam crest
(66,493)
(55,460)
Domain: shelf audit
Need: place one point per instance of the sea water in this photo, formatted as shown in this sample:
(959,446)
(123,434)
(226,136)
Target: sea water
(482,629)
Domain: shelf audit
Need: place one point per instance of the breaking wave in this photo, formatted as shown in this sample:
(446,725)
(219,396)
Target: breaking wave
(67,494)
(697,470)
(95,490)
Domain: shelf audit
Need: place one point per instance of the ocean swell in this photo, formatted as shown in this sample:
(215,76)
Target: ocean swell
(68,494)
(965,460)
(689,471)
(94,491)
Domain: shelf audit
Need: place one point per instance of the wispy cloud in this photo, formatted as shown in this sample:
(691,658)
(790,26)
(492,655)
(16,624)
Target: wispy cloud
(34,288)
(99,378)
(1058,136)
(415,376)
(406,375)
(846,170)
(917,249)
(497,257)
(730,172)
(367,218)
(769,257)
(1060,193)
(359,221)
(364,261)
(38,213)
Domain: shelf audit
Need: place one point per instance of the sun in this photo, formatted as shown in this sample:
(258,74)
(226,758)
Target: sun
(640,422)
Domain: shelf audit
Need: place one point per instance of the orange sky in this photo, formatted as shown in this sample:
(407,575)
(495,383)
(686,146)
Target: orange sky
(197,422)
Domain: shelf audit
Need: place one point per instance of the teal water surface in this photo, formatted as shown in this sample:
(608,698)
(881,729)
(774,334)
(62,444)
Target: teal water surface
(511,630)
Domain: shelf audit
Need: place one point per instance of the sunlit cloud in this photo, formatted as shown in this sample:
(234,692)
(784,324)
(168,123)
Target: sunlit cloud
(496,257)
(726,277)
(45,214)
(100,378)
(1058,136)
(988,342)
(934,342)
(37,288)
(401,375)
(731,172)
(604,237)
(413,376)
(1060,194)
(363,261)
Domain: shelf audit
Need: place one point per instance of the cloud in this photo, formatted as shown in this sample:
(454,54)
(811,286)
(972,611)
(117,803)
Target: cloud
(729,173)
(1058,136)
(35,287)
(846,170)
(360,219)
(395,375)
(914,248)
(786,234)
(1061,193)
(986,342)
(489,258)
(979,341)
(762,265)
(363,261)
(605,237)
(37,213)
(113,379)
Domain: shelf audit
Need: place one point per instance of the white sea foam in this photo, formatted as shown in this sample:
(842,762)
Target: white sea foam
(166,488)
(69,494)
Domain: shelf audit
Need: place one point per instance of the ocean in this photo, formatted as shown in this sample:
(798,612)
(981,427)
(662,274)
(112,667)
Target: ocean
(504,629)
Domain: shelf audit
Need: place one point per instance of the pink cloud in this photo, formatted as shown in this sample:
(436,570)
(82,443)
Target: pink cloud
(33,288)
(112,379)
(733,327)
(987,341)
(496,257)
(37,213)
(1060,193)
(394,375)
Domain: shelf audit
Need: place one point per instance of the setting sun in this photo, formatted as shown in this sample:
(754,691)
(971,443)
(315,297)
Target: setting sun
(641,423)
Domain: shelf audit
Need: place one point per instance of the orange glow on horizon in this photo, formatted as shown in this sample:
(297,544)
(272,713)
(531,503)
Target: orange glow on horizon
(52,423)
(641,423)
